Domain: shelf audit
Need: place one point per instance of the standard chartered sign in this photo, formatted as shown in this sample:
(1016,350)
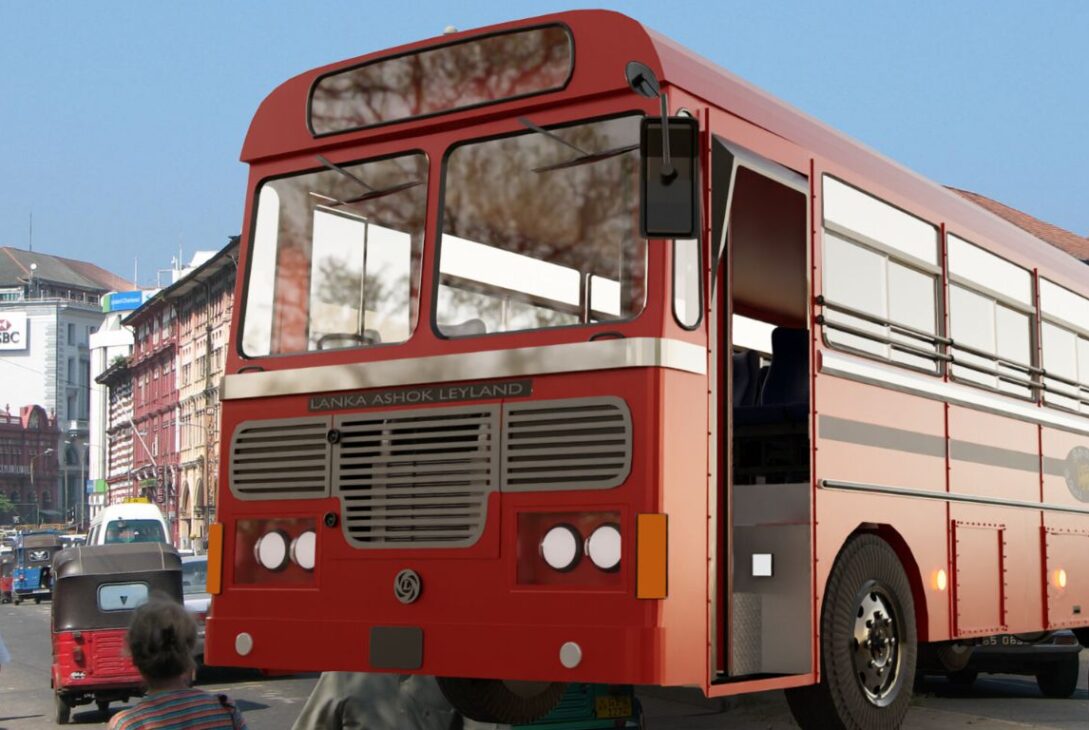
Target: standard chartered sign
(12,330)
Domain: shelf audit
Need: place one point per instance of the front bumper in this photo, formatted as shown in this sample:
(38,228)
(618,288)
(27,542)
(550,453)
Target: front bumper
(33,592)
(605,654)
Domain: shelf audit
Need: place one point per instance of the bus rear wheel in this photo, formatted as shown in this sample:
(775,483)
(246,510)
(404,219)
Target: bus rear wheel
(500,701)
(868,644)
(1059,679)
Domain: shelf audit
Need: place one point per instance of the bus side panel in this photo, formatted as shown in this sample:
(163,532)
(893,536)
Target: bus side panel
(917,523)
(1066,536)
(871,435)
(683,479)
(996,549)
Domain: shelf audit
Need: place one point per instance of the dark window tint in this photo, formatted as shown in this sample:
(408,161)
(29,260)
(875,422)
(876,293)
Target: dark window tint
(473,72)
(194,576)
(134,531)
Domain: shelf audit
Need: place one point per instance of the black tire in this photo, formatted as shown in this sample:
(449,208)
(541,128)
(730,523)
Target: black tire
(963,678)
(64,710)
(103,707)
(1083,636)
(494,700)
(37,600)
(867,585)
(954,657)
(1059,679)
(18,600)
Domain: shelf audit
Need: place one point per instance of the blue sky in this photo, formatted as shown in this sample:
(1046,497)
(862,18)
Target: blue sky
(121,122)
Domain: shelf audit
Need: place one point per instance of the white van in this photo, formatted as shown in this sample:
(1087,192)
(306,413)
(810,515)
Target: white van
(129,522)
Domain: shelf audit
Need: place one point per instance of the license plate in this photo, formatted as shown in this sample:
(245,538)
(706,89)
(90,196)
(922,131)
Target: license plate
(1002,641)
(609,707)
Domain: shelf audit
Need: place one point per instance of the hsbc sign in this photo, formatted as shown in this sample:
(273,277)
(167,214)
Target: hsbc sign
(13,330)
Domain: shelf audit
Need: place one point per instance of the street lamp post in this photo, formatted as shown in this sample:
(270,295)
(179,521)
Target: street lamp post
(33,487)
(82,475)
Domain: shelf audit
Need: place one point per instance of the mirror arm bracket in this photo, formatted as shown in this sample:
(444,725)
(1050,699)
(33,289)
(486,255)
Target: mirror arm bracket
(667,165)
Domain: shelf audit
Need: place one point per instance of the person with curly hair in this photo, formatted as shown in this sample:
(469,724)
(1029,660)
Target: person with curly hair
(161,640)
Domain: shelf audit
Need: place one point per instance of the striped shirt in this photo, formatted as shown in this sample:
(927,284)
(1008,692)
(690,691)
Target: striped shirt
(180,709)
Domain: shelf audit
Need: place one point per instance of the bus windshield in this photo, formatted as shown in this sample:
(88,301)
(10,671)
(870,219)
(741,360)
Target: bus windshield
(336,257)
(541,229)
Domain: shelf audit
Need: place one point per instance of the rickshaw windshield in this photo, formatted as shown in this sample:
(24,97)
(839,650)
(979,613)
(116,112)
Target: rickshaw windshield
(125,531)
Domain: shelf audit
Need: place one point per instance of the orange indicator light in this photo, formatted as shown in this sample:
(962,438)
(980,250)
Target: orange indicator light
(940,580)
(215,558)
(1058,578)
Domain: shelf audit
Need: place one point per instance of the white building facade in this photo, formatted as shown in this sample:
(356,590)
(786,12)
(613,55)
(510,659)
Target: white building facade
(49,309)
(109,347)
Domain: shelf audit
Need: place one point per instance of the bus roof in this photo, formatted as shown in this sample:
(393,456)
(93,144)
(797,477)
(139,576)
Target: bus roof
(279,127)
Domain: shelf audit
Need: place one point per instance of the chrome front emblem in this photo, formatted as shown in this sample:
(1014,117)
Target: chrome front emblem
(407,586)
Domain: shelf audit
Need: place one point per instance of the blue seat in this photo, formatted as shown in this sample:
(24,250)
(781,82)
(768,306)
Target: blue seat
(787,383)
(746,378)
(784,395)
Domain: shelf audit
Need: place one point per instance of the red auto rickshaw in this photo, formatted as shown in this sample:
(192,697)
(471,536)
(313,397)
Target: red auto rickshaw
(7,563)
(95,591)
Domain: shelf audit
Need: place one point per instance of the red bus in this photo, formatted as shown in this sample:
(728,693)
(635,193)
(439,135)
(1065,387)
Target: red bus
(525,390)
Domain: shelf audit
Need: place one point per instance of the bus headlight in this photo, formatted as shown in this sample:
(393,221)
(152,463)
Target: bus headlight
(561,548)
(603,547)
(271,550)
(304,549)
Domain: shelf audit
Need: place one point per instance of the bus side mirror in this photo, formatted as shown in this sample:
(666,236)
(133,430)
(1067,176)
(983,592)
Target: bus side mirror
(668,188)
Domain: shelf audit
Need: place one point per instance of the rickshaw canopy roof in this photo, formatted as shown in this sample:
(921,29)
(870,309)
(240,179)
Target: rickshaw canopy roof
(38,540)
(98,587)
(125,558)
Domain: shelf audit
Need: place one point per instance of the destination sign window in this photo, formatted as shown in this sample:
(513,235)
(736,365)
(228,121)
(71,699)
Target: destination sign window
(444,79)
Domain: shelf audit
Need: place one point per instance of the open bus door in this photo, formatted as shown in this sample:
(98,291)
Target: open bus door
(763,620)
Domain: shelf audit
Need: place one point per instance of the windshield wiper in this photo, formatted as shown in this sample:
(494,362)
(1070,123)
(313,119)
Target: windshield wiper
(371,193)
(583,158)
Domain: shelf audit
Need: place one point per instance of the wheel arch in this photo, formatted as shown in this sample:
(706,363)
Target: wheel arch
(890,535)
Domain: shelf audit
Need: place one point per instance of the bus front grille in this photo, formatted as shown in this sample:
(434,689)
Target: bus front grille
(416,478)
(577,443)
(286,458)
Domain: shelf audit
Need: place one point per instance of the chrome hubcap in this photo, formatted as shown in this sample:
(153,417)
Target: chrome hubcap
(876,645)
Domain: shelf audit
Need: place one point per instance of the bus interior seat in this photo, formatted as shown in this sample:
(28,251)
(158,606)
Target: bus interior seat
(761,378)
(746,378)
(467,328)
(771,435)
(787,383)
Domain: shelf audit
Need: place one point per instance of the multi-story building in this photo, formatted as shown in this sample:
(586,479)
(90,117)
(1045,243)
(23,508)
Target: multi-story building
(49,307)
(177,361)
(110,347)
(28,465)
(203,302)
(154,403)
(118,437)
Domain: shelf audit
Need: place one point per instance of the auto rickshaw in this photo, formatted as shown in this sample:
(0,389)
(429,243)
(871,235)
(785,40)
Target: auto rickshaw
(96,590)
(32,575)
(7,562)
(592,707)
